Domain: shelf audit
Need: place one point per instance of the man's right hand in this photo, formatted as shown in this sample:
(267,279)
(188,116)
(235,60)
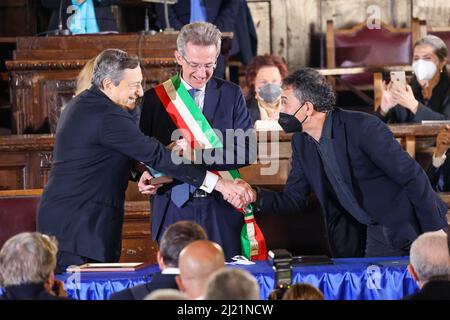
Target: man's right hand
(442,142)
(144,184)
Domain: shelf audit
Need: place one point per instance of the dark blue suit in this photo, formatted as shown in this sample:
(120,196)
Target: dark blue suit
(139,292)
(224,108)
(83,201)
(388,184)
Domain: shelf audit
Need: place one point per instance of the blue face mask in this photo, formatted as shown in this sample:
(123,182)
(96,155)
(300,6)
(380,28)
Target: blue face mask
(290,123)
(270,92)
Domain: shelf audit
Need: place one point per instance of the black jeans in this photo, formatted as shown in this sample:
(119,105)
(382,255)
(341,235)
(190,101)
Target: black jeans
(377,245)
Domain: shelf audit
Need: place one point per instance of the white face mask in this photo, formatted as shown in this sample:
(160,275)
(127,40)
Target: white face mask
(424,69)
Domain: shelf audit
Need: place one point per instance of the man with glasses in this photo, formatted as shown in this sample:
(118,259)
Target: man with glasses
(223,107)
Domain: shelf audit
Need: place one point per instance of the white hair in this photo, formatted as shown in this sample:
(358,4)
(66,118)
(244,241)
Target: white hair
(429,256)
(26,258)
(232,284)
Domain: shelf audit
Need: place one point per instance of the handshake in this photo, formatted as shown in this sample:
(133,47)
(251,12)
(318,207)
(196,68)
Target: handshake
(238,192)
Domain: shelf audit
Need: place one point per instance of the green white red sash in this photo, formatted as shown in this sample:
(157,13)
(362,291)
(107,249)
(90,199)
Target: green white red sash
(196,129)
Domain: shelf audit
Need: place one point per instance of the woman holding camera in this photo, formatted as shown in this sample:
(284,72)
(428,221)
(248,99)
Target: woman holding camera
(428,96)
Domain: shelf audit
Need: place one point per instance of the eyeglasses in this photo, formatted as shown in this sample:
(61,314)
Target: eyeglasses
(197,66)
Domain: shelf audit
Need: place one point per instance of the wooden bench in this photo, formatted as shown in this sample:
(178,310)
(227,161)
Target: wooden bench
(18,210)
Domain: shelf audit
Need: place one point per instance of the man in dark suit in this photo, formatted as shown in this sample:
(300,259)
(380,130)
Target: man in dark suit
(227,15)
(376,199)
(175,238)
(96,140)
(430,266)
(103,15)
(223,105)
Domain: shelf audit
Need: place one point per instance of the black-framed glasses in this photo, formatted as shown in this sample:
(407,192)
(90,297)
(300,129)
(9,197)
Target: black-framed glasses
(198,66)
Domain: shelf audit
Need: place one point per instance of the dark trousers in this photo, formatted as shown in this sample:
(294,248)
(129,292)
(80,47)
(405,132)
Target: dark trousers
(66,259)
(378,246)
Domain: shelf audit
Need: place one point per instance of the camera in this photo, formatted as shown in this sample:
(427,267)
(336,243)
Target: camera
(282,264)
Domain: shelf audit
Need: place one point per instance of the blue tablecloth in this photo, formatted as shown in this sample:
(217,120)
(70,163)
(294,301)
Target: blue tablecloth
(345,279)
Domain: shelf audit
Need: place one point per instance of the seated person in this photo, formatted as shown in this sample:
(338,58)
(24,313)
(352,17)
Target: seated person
(232,284)
(428,96)
(27,264)
(263,79)
(430,266)
(86,16)
(84,78)
(174,239)
(197,262)
(439,170)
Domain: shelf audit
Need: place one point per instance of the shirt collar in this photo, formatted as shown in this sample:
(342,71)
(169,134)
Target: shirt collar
(171,270)
(188,86)
(327,126)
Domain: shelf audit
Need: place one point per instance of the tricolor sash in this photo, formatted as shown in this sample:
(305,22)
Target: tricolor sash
(196,129)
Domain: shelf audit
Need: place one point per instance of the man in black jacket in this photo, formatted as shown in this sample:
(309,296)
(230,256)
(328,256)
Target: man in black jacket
(27,261)
(430,266)
(96,140)
(103,15)
(174,239)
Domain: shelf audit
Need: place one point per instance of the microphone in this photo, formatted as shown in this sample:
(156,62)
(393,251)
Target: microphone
(60,31)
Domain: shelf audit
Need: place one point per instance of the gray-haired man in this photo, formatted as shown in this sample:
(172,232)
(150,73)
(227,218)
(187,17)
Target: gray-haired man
(27,261)
(430,266)
(96,139)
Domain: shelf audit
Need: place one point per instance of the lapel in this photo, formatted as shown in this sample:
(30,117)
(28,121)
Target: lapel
(212,95)
(339,139)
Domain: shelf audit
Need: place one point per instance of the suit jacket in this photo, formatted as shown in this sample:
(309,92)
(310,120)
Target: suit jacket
(227,15)
(31,291)
(224,108)
(433,290)
(83,202)
(103,14)
(388,184)
(159,281)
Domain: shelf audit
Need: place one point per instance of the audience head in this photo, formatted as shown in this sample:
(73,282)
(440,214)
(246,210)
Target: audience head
(264,77)
(305,94)
(167,294)
(429,58)
(84,78)
(429,257)
(232,284)
(198,46)
(28,258)
(198,260)
(119,76)
(175,238)
(303,291)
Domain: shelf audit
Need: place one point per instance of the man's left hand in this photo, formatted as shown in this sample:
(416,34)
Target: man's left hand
(144,184)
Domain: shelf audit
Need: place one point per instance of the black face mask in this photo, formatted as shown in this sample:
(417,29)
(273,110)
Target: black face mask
(290,123)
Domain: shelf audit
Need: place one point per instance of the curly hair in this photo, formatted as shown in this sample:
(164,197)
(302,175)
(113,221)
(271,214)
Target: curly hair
(309,85)
(259,62)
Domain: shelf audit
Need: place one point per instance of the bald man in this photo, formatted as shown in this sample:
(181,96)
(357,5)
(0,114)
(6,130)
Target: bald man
(430,266)
(197,262)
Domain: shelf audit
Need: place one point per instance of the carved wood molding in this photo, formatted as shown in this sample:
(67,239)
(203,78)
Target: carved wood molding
(28,65)
(16,143)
